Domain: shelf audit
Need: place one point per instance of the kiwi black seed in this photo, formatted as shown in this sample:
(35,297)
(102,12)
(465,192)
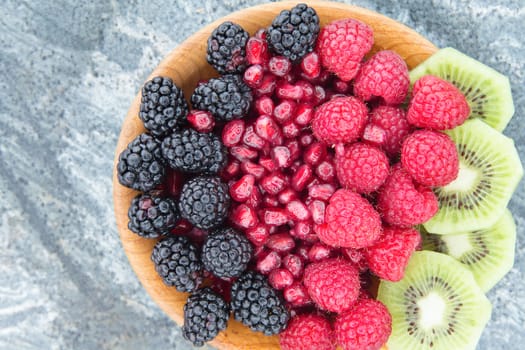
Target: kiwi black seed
(488,254)
(489,172)
(487,91)
(437,305)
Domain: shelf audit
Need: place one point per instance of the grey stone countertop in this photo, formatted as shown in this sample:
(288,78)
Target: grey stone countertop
(69,70)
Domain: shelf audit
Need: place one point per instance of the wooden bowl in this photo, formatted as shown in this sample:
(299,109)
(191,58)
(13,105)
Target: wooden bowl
(186,65)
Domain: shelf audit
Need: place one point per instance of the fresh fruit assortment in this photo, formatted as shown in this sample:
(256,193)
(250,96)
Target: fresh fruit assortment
(310,170)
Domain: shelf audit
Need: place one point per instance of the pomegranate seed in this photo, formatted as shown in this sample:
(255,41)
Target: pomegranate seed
(232,132)
(201,121)
(324,77)
(319,252)
(319,95)
(251,139)
(294,148)
(304,230)
(296,295)
(325,171)
(231,170)
(275,216)
(284,111)
(286,90)
(374,134)
(322,191)
(308,90)
(182,227)
(340,86)
(303,114)
(286,196)
(298,211)
(313,182)
(279,65)
(267,85)
(258,235)
(261,34)
(268,164)
(270,201)
(267,128)
(315,153)
(268,262)
(294,264)
(273,183)
(357,257)
(254,169)
(174,182)
(244,216)
(280,278)
(311,65)
(290,130)
(259,251)
(253,76)
(255,199)
(281,156)
(306,139)
(301,177)
(264,105)
(317,209)
(257,51)
(243,153)
(295,166)
(280,242)
(241,190)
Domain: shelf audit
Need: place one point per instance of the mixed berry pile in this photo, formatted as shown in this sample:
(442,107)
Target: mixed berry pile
(294,181)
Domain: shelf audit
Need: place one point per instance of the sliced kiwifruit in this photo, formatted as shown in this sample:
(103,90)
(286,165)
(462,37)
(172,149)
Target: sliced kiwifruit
(487,91)
(437,305)
(489,171)
(488,253)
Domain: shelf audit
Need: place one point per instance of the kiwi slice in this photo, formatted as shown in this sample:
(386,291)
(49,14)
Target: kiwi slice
(489,171)
(487,91)
(437,305)
(488,253)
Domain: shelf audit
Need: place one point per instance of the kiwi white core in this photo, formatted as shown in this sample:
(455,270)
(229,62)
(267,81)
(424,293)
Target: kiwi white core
(432,311)
(466,180)
(457,244)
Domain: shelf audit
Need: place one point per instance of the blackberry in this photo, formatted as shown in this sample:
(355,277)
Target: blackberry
(177,261)
(204,202)
(257,305)
(162,106)
(193,152)
(205,315)
(227,48)
(226,253)
(226,97)
(293,32)
(152,216)
(141,166)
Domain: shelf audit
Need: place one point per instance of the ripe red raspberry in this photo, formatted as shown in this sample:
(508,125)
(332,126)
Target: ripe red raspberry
(361,167)
(342,45)
(308,332)
(384,75)
(341,119)
(350,221)
(389,256)
(366,326)
(395,125)
(332,284)
(430,157)
(437,104)
(403,203)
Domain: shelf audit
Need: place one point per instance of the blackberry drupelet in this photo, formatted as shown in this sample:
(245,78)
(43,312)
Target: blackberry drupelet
(204,202)
(193,152)
(162,106)
(151,216)
(227,48)
(293,32)
(257,305)
(205,315)
(226,253)
(226,97)
(177,261)
(141,166)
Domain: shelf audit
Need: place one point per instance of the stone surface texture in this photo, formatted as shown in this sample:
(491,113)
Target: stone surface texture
(69,70)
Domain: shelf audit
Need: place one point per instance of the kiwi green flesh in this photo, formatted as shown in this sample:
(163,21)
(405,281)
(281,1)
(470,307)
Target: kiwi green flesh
(437,305)
(487,91)
(488,253)
(489,172)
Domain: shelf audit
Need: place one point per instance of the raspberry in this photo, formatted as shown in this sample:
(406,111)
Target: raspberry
(361,167)
(389,256)
(308,332)
(341,119)
(384,75)
(350,221)
(403,203)
(430,157)
(392,121)
(333,284)
(342,45)
(437,104)
(367,326)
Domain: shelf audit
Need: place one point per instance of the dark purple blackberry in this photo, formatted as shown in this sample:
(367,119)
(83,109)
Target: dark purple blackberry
(151,216)
(205,315)
(226,253)
(141,166)
(204,202)
(177,261)
(227,48)
(226,97)
(257,305)
(190,151)
(163,106)
(293,32)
